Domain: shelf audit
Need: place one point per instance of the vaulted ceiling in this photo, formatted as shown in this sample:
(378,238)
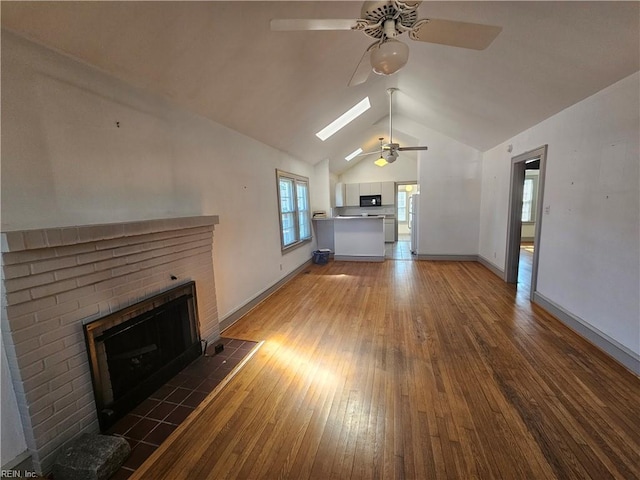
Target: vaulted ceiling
(221,60)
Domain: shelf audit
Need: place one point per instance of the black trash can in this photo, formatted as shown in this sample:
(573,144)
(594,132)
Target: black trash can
(321,257)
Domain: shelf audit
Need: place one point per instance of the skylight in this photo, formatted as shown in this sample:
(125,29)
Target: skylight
(347,117)
(353,154)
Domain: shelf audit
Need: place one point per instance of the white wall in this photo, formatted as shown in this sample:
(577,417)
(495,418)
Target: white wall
(590,240)
(67,161)
(449,175)
(320,187)
(12,441)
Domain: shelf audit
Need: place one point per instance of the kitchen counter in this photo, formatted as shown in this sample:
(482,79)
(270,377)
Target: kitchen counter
(359,238)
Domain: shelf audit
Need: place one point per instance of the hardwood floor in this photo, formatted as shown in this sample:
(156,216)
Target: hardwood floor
(525,265)
(413,370)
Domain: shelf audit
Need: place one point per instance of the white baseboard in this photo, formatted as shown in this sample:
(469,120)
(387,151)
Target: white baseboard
(447,258)
(357,258)
(618,352)
(497,271)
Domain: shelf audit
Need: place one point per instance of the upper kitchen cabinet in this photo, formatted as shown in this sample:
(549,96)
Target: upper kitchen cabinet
(352,194)
(348,195)
(388,192)
(370,188)
(340,194)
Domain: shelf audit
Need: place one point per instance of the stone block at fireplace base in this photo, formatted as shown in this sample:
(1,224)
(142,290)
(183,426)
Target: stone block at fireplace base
(91,457)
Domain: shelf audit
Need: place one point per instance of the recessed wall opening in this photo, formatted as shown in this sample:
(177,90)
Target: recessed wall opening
(134,351)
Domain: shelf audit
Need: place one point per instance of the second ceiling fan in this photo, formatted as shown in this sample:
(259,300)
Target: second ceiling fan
(386,20)
(389,151)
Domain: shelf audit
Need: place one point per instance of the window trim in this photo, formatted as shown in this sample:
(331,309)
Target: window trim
(297,179)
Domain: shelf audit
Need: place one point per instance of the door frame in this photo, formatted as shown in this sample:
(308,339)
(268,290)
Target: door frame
(514,227)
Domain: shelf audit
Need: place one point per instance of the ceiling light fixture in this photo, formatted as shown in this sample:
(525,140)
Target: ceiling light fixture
(381,162)
(344,119)
(389,57)
(391,155)
(353,154)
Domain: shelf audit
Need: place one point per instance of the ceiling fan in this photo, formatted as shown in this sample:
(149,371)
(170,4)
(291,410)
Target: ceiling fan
(384,21)
(389,151)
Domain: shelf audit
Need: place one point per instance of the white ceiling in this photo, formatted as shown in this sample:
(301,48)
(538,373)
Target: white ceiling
(220,60)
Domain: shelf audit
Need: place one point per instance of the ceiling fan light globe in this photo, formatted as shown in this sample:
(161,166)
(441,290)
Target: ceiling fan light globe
(391,156)
(389,57)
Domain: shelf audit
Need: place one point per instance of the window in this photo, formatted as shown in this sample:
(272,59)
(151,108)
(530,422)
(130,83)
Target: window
(529,199)
(402,206)
(295,218)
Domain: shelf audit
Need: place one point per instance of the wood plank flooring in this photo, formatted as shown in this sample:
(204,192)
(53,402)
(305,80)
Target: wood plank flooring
(409,369)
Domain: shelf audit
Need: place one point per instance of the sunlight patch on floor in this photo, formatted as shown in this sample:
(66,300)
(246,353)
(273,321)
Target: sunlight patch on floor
(299,364)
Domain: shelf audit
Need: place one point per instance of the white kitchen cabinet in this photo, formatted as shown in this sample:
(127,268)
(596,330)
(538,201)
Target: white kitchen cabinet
(388,192)
(352,191)
(371,188)
(340,194)
(389,230)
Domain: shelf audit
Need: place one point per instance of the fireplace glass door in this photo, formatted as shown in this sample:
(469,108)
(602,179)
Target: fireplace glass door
(134,351)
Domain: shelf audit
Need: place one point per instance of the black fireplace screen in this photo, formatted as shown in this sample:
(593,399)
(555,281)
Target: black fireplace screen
(134,351)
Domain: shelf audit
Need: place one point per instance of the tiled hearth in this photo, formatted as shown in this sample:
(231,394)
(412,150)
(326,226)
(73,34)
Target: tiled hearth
(149,424)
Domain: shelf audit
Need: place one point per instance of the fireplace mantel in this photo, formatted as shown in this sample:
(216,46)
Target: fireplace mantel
(57,279)
(20,240)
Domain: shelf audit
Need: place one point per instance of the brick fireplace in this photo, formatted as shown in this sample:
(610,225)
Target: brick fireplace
(58,279)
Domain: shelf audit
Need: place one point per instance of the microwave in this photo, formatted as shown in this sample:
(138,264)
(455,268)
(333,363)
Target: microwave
(370,200)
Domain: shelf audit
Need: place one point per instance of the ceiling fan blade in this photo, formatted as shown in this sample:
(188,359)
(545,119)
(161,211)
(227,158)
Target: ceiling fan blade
(455,34)
(377,152)
(292,24)
(362,71)
(408,149)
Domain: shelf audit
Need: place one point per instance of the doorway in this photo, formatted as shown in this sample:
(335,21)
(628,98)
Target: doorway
(403,193)
(525,219)
(401,249)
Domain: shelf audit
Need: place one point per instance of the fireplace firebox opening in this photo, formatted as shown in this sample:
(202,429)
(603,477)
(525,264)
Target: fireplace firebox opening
(133,351)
